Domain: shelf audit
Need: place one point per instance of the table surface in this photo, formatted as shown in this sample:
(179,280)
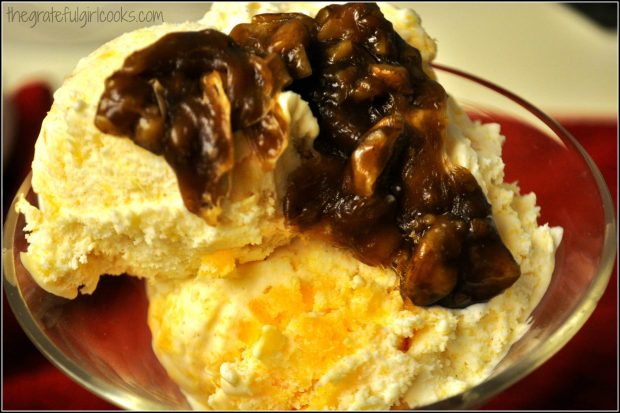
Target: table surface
(577,84)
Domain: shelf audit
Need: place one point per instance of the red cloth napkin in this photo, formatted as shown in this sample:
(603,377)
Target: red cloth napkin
(583,375)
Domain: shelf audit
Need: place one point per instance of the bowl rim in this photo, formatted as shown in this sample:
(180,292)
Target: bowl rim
(26,320)
(585,307)
(474,396)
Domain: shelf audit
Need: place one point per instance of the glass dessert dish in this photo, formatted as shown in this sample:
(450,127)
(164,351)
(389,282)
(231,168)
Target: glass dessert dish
(102,341)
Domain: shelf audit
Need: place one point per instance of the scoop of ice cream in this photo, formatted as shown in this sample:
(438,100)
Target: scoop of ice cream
(313,328)
(135,221)
(108,206)
(303,329)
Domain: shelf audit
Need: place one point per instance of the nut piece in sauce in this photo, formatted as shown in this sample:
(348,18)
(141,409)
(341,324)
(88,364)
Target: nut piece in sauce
(284,34)
(222,153)
(487,267)
(373,152)
(433,271)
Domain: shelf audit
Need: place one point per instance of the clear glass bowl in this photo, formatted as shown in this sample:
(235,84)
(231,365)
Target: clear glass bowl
(107,349)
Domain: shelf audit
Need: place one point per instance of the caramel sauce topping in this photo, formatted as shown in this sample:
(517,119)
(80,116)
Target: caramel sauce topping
(185,97)
(380,183)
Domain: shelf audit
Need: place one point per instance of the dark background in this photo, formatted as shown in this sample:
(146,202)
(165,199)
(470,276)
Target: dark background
(603,14)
